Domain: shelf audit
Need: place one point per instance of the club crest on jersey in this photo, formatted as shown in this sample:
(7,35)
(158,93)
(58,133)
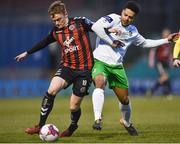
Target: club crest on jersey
(71,27)
(107,18)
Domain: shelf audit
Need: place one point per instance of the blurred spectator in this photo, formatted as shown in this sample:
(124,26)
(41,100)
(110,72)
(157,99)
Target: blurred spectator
(160,58)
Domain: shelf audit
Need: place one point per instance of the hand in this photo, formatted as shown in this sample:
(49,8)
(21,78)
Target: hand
(117,44)
(21,56)
(115,30)
(176,62)
(173,37)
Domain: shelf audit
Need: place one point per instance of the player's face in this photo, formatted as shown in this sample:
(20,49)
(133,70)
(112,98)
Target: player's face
(166,33)
(60,20)
(127,17)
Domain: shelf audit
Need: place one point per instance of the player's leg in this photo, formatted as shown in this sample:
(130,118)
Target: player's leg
(98,100)
(75,109)
(125,107)
(81,84)
(57,83)
(119,83)
(165,80)
(99,79)
(162,77)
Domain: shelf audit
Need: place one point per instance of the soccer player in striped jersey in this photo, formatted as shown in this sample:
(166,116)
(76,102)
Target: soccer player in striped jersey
(72,34)
(161,58)
(176,52)
(115,35)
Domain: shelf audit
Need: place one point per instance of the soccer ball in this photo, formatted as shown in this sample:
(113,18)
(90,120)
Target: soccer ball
(49,133)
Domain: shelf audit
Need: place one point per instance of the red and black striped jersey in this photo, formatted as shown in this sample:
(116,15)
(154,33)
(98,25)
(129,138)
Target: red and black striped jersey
(74,40)
(75,43)
(163,52)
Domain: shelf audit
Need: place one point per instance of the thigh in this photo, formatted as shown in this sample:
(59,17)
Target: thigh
(118,78)
(65,73)
(81,83)
(99,68)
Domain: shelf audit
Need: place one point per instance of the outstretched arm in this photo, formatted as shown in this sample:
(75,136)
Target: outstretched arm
(148,43)
(40,45)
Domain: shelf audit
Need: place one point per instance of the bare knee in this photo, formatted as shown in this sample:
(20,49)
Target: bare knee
(52,92)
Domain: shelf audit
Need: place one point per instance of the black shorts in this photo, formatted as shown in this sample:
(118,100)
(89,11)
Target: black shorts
(81,80)
(162,66)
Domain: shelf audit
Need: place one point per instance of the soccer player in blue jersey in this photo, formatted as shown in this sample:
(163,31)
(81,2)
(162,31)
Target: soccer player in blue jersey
(72,34)
(115,35)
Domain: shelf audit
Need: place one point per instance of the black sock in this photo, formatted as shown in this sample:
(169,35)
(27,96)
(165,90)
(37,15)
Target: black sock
(75,117)
(167,87)
(46,107)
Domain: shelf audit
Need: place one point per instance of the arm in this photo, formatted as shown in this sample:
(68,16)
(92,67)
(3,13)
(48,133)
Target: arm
(148,43)
(40,45)
(103,27)
(152,57)
(87,23)
(100,26)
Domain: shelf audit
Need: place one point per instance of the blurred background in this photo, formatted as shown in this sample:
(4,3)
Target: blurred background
(25,22)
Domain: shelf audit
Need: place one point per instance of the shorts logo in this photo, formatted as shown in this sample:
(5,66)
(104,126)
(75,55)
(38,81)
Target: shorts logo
(83,89)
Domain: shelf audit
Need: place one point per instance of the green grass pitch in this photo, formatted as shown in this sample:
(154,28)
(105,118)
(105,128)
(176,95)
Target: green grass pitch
(157,120)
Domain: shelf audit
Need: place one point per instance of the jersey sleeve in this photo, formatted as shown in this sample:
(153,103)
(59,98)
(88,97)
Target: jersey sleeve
(108,21)
(87,23)
(100,27)
(148,43)
(43,43)
(139,39)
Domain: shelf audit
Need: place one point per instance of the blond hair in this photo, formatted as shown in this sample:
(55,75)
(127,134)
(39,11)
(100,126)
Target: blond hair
(57,7)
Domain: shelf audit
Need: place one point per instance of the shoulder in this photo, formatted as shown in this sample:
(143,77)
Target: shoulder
(112,18)
(132,29)
(83,20)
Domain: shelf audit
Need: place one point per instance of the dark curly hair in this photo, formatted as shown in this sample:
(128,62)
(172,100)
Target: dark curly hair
(133,5)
